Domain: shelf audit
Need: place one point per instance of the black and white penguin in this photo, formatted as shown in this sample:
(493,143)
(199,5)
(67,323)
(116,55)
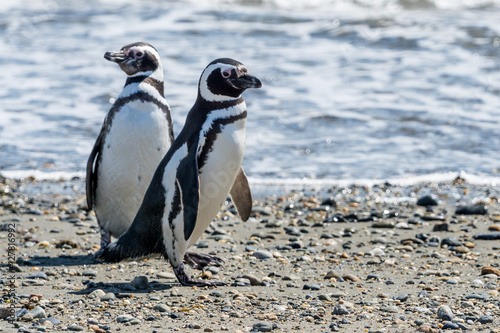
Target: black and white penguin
(136,135)
(193,180)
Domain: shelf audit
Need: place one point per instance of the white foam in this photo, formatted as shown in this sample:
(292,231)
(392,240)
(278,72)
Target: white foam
(42,175)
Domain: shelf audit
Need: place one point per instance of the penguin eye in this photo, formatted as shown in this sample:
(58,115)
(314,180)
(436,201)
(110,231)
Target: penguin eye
(226,73)
(139,54)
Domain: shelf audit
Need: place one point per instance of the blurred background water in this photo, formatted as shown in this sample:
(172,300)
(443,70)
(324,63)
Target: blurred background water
(353,89)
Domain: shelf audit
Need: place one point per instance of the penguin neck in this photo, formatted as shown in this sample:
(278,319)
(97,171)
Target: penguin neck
(144,84)
(217,105)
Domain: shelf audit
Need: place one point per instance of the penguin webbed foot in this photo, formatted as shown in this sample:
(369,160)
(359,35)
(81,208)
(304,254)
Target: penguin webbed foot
(184,280)
(105,241)
(200,260)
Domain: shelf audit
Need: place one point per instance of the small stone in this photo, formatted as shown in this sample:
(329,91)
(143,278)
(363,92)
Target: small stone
(450,326)
(37,312)
(461,249)
(490,270)
(75,327)
(426,329)
(452,281)
(490,236)
(472,210)
(108,297)
(140,282)
(39,275)
(485,319)
(377,252)
(450,241)
(261,254)
(89,272)
(494,227)
(15,268)
(124,318)
(402,297)
(427,200)
(340,309)
(98,293)
(384,225)
(389,308)
(262,326)
(323,297)
(444,313)
(441,227)
(351,277)
(161,308)
(332,274)
(254,281)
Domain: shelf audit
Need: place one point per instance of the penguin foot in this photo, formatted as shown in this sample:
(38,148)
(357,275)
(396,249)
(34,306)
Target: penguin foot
(105,241)
(182,277)
(200,260)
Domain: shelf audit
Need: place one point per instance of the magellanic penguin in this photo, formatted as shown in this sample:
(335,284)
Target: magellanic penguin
(196,175)
(136,135)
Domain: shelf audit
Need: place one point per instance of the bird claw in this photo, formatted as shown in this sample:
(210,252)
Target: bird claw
(200,261)
(184,280)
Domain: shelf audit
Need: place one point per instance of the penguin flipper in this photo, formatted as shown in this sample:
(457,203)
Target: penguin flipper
(241,195)
(189,182)
(92,165)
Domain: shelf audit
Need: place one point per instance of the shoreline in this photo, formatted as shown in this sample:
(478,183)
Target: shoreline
(338,258)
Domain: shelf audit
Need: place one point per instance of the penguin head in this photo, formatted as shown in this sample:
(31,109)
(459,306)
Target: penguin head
(137,59)
(225,79)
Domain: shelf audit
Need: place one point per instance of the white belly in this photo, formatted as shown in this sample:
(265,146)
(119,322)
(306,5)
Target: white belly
(218,174)
(135,145)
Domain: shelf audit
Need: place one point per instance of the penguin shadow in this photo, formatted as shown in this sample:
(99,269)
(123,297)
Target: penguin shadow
(63,260)
(124,289)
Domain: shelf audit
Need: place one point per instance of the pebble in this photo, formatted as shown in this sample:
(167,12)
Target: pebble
(332,274)
(124,318)
(340,309)
(262,254)
(254,281)
(75,327)
(389,308)
(108,297)
(140,282)
(39,275)
(161,308)
(351,277)
(427,200)
(485,319)
(489,236)
(490,270)
(450,326)
(444,313)
(452,281)
(37,312)
(263,326)
(89,272)
(472,210)
(450,241)
(98,293)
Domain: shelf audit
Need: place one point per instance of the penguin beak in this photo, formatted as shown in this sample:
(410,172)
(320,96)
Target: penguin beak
(114,56)
(246,81)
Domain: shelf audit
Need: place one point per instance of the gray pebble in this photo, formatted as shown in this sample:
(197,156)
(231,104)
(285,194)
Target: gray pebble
(39,275)
(450,241)
(444,313)
(261,254)
(161,308)
(166,275)
(98,293)
(489,236)
(452,281)
(254,281)
(140,282)
(402,297)
(340,309)
(263,326)
(450,326)
(75,327)
(427,200)
(389,308)
(89,272)
(124,318)
(37,312)
(485,319)
(108,297)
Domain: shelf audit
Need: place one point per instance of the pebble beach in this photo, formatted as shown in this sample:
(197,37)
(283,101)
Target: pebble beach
(381,258)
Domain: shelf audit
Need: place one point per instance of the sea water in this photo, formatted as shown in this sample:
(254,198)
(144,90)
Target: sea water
(352,89)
